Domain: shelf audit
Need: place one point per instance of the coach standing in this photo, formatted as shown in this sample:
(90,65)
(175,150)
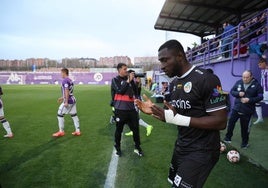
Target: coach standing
(247,93)
(197,107)
(124,91)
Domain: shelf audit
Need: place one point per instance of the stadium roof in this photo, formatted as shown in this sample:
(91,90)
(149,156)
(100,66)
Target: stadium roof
(204,17)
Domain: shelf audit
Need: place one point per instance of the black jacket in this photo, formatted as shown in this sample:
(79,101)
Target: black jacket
(254,92)
(123,93)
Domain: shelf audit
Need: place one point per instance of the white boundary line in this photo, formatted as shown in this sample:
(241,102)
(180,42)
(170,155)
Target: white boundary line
(111,175)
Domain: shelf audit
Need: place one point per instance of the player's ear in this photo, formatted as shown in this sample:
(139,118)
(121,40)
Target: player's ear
(180,57)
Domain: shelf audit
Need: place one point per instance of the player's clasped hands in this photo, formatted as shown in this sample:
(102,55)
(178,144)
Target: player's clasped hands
(145,106)
(148,107)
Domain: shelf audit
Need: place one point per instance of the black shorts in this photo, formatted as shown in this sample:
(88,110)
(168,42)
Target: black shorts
(191,170)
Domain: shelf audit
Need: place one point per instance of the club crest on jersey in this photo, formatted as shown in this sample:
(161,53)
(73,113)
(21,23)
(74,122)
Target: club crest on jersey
(187,87)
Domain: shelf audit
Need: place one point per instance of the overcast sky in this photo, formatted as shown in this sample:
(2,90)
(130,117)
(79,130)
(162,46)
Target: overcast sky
(82,28)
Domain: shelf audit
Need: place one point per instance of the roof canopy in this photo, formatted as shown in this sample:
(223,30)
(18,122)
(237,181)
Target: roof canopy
(204,17)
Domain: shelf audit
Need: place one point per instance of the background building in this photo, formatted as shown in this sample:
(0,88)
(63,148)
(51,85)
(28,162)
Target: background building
(113,61)
(147,63)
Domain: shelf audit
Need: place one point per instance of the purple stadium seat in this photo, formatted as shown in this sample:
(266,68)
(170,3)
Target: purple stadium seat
(262,38)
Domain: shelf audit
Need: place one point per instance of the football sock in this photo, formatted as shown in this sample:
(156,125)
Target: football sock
(76,123)
(259,112)
(143,123)
(6,126)
(61,123)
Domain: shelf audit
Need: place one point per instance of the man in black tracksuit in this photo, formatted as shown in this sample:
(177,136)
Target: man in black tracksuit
(247,93)
(124,91)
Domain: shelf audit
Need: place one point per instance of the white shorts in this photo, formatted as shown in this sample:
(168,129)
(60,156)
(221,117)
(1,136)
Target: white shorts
(70,109)
(1,109)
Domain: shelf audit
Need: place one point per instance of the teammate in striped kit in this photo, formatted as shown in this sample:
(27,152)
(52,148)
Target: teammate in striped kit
(68,105)
(264,83)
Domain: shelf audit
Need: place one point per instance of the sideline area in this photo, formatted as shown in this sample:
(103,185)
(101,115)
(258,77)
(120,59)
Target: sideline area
(111,175)
(257,152)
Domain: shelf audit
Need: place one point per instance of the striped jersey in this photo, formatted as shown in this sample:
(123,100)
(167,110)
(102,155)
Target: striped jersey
(68,84)
(264,79)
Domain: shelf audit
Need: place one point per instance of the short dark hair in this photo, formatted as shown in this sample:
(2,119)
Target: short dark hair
(65,70)
(173,45)
(263,60)
(120,65)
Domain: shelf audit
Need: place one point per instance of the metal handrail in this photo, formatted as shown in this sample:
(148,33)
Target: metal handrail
(207,56)
(232,63)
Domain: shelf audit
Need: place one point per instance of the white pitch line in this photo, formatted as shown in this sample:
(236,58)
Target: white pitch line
(111,175)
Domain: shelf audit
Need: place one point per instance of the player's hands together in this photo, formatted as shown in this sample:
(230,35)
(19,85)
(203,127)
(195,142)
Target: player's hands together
(66,104)
(159,112)
(60,100)
(170,107)
(146,105)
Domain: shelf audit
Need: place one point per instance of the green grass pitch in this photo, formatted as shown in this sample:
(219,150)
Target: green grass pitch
(34,159)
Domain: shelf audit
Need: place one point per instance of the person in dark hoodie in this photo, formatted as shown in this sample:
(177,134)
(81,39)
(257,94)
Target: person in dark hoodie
(247,93)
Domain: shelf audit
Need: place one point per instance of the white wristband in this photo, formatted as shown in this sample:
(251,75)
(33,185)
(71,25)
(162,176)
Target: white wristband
(169,116)
(178,119)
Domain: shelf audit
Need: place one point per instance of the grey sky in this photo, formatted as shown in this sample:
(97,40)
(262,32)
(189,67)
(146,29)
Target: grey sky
(81,28)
